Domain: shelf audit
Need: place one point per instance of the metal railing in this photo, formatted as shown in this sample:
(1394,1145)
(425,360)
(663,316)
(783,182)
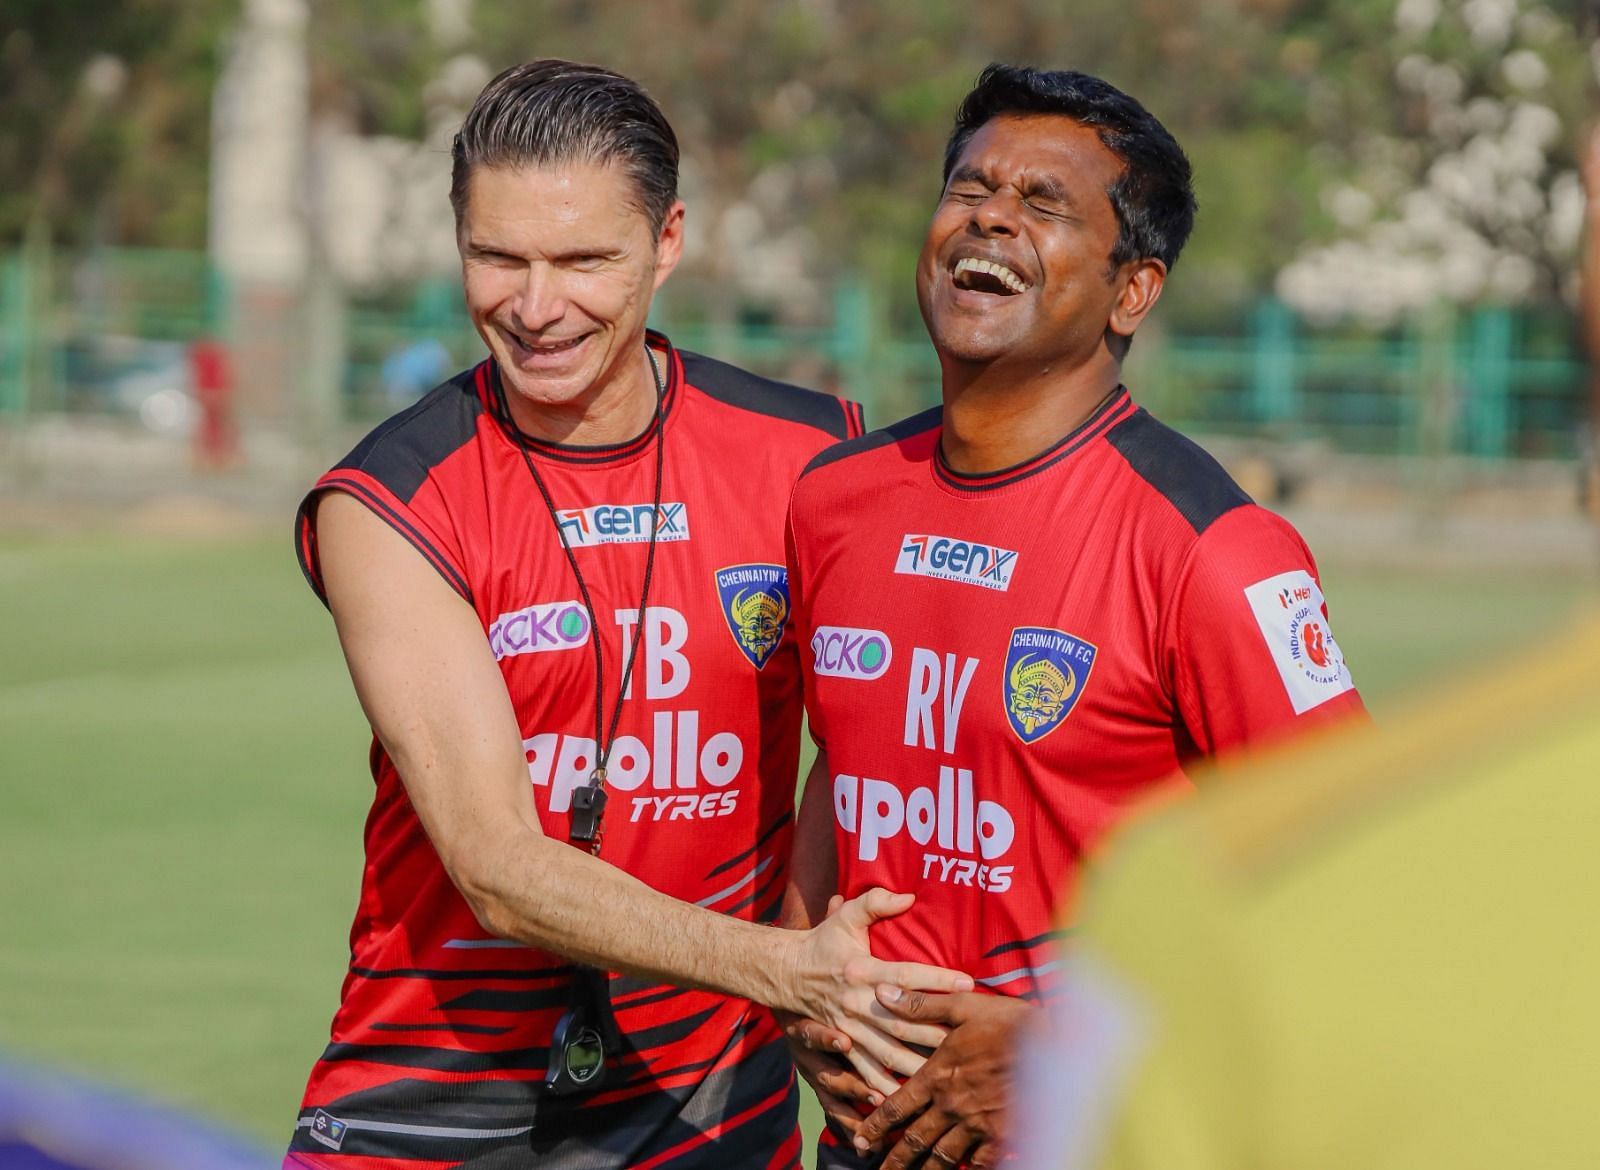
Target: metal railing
(92,333)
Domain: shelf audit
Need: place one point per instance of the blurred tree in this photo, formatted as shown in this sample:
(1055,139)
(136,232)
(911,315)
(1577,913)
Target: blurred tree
(1453,126)
(813,130)
(104,118)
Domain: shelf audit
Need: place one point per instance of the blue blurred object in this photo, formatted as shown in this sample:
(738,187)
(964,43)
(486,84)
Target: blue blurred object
(411,370)
(50,1121)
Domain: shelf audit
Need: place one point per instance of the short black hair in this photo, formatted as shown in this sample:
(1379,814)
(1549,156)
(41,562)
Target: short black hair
(554,111)
(1154,195)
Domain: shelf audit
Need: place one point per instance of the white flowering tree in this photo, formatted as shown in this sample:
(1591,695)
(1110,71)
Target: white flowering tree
(1468,191)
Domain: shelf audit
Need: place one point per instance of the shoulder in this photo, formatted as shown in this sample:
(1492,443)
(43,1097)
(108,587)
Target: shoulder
(402,451)
(847,456)
(764,397)
(1178,468)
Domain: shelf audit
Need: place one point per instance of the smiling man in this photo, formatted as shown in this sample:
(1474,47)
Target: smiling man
(558,582)
(1030,607)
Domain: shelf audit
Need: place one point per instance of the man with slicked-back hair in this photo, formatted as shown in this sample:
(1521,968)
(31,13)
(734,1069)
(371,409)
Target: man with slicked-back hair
(559,584)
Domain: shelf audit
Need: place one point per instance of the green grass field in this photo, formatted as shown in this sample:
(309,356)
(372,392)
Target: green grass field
(183,784)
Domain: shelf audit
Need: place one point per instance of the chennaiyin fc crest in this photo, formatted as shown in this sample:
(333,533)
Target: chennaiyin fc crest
(755,600)
(1045,673)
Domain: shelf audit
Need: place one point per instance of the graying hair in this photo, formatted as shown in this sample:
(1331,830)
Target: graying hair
(550,111)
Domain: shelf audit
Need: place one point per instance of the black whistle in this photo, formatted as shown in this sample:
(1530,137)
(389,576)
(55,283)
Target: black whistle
(588,806)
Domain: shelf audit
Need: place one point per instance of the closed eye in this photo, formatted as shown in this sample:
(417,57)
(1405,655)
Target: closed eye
(492,256)
(585,261)
(1049,208)
(967,194)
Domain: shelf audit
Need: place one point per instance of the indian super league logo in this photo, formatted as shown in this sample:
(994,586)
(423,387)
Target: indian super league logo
(1045,673)
(755,600)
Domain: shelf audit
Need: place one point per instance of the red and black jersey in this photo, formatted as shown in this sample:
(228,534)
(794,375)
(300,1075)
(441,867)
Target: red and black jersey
(998,666)
(439,1047)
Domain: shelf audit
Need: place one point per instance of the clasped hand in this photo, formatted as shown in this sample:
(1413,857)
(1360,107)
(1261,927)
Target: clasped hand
(951,1106)
(833,984)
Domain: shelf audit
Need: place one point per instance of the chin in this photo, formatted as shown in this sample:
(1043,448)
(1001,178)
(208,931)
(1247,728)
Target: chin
(546,391)
(967,345)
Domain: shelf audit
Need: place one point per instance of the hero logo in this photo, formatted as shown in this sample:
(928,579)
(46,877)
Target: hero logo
(1293,619)
(874,811)
(556,625)
(670,775)
(622,524)
(949,559)
(846,652)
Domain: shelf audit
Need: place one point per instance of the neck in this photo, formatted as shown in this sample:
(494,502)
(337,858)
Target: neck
(994,418)
(616,409)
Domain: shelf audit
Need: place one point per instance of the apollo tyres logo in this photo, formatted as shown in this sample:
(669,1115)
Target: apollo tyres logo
(1045,673)
(622,524)
(950,559)
(846,652)
(554,625)
(755,600)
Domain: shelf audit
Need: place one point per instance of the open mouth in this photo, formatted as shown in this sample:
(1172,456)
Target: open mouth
(987,276)
(524,348)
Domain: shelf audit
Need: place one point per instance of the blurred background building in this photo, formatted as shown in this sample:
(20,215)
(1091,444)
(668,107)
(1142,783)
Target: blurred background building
(226,250)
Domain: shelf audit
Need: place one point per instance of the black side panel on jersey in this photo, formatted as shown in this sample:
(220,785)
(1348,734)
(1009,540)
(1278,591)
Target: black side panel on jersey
(749,391)
(894,433)
(400,452)
(1179,468)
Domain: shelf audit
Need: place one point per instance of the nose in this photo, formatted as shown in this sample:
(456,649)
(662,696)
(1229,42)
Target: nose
(540,302)
(998,215)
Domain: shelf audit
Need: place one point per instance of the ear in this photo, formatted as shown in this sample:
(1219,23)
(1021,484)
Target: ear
(669,247)
(1141,282)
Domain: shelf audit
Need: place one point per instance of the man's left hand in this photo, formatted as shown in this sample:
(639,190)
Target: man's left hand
(954,1105)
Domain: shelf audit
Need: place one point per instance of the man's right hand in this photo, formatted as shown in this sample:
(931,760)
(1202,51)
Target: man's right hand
(832,980)
(836,1085)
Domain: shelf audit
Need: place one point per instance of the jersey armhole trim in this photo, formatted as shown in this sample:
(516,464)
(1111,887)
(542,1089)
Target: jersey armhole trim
(306,544)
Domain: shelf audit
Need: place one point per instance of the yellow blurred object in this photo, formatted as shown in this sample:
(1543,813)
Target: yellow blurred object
(1377,951)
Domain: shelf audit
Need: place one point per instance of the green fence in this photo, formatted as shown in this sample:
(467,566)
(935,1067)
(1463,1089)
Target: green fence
(85,333)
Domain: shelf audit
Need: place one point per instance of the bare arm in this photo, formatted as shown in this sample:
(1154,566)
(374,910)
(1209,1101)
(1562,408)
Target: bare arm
(433,693)
(813,878)
(878,1054)
(814,867)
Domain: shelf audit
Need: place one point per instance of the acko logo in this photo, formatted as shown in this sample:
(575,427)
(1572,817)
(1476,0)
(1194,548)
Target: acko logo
(556,625)
(949,559)
(622,524)
(846,652)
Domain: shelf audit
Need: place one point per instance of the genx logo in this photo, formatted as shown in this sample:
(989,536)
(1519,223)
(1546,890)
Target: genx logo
(950,559)
(622,524)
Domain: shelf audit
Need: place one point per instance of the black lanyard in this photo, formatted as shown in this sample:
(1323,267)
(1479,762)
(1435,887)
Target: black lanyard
(589,802)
